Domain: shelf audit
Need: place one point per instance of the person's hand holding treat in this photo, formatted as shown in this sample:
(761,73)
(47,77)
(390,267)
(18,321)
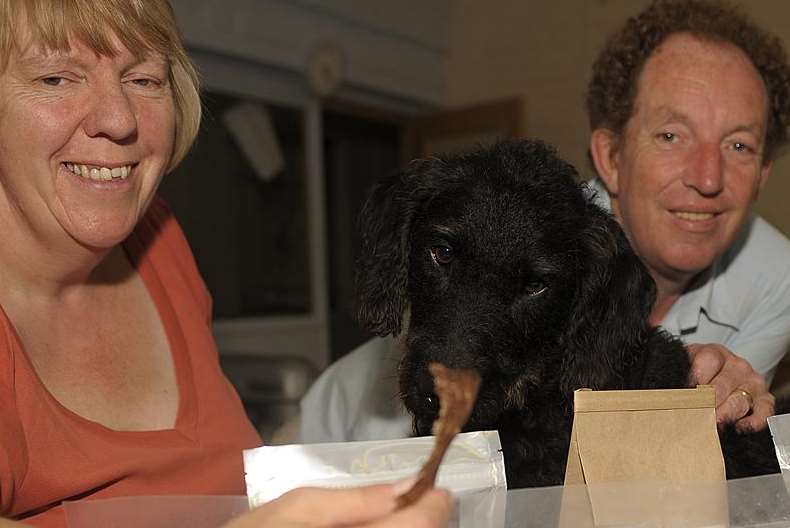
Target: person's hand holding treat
(457,392)
(363,507)
(388,505)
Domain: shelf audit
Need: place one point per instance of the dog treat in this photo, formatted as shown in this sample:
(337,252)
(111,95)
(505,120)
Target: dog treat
(457,391)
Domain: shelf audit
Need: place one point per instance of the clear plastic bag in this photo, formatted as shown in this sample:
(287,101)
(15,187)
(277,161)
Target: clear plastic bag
(473,469)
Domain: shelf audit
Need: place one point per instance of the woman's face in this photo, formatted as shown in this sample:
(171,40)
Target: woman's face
(84,141)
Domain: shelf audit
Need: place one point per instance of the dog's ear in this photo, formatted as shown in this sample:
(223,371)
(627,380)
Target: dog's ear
(609,321)
(382,267)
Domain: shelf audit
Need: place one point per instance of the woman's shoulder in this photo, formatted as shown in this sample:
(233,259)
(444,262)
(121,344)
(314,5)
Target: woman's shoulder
(158,224)
(159,242)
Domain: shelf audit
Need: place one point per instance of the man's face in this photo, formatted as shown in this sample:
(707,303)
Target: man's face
(689,164)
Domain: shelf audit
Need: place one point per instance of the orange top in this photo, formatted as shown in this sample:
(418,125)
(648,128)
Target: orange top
(49,454)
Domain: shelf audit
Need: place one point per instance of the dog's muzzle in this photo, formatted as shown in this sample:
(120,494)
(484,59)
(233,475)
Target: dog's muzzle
(423,402)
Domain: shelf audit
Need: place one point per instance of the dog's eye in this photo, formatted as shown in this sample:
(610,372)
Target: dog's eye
(535,288)
(442,254)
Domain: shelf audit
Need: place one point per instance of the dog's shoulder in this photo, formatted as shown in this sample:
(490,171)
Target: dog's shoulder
(666,362)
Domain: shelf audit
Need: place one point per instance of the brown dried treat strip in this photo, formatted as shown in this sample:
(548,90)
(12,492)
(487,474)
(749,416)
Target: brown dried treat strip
(457,391)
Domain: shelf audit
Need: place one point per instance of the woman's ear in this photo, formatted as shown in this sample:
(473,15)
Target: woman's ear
(603,150)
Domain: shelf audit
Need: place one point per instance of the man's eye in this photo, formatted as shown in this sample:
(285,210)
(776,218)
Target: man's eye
(442,254)
(667,137)
(535,288)
(741,147)
(53,80)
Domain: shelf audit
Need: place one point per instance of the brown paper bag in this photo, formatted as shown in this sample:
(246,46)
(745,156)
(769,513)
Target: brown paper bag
(648,455)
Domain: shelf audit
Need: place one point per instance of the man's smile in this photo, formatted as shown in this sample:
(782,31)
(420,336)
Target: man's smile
(693,216)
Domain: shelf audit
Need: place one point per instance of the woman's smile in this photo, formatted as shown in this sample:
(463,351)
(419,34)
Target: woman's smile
(99,172)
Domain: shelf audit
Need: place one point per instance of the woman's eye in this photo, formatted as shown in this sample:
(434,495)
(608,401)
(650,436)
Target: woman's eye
(667,137)
(535,288)
(53,80)
(145,82)
(442,254)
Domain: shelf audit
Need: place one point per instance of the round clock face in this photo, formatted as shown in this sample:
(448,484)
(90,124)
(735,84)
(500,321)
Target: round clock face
(325,68)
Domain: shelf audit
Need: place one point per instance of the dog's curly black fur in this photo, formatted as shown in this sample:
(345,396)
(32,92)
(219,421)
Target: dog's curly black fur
(501,262)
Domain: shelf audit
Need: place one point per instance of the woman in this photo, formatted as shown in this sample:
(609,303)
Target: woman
(110,381)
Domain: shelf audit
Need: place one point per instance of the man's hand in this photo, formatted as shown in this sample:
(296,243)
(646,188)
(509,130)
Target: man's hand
(741,393)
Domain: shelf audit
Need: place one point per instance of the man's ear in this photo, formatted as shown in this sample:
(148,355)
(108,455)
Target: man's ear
(603,149)
(765,171)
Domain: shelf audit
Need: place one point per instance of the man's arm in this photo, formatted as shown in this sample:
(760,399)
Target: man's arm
(319,419)
(356,398)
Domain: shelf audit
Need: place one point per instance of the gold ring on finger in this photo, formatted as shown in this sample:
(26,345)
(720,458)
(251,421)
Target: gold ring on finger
(746,394)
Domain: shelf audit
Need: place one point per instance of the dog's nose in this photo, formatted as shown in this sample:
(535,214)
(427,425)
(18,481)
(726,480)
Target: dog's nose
(432,402)
(428,397)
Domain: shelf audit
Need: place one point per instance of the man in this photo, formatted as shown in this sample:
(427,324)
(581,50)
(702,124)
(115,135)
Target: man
(688,104)
(683,157)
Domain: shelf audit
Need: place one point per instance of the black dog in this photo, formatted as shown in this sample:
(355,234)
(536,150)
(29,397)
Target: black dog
(502,263)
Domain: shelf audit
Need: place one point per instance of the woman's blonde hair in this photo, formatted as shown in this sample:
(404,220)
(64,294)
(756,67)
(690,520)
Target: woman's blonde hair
(142,26)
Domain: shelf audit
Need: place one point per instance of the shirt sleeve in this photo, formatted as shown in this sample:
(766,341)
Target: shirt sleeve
(758,294)
(746,305)
(357,398)
(764,336)
(324,409)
